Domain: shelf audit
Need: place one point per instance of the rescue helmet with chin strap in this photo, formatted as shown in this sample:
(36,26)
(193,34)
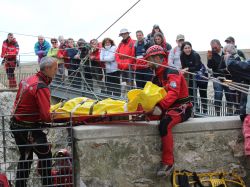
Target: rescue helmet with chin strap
(155,50)
(62,153)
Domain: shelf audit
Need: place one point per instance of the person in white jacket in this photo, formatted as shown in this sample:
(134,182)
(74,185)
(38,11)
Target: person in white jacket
(112,78)
(174,54)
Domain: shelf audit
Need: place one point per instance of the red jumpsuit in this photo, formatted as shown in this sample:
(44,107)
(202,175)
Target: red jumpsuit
(33,97)
(176,105)
(9,53)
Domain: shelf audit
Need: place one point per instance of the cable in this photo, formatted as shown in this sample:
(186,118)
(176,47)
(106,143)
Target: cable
(97,37)
(238,88)
(118,19)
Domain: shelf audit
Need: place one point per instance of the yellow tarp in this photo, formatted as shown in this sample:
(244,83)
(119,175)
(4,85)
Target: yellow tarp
(147,98)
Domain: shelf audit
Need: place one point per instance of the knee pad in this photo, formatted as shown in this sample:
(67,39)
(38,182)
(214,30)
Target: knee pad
(163,126)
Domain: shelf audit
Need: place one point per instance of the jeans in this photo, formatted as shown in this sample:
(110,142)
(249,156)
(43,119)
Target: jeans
(218,94)
(193,90)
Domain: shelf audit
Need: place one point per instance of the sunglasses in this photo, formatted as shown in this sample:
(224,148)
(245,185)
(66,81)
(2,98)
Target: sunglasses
(53,42)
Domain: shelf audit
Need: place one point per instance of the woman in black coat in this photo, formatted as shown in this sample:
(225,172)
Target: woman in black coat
(191,61)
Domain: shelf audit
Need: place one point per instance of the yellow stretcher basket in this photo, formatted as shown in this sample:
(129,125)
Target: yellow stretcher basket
(84,106)
(146,98)
(207,179)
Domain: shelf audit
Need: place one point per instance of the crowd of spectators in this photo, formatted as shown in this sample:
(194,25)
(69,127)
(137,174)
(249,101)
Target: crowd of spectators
(110,64)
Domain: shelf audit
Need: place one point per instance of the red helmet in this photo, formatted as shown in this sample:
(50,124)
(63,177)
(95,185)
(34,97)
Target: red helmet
(62,153)
(155,50)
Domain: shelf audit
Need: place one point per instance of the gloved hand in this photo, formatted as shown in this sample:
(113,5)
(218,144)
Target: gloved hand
(157,111)
(221,79)
(198,75)
(41,52)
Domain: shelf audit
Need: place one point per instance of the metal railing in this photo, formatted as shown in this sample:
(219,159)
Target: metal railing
(96,83)
(49,166)
(17,73)
(201,92)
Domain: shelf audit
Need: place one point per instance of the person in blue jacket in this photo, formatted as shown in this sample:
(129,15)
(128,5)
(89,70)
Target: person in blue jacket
(41,48)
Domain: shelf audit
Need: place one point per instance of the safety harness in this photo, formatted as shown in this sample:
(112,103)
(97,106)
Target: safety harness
(186,178)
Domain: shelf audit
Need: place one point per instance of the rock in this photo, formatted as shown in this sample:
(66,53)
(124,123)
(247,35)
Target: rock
(96,182)
(143,182)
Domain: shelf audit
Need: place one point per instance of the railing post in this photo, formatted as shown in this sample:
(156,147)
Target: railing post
(194,94)
(4,141)
(130,76)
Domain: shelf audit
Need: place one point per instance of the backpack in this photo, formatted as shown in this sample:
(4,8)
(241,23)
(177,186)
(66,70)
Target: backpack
(62,169)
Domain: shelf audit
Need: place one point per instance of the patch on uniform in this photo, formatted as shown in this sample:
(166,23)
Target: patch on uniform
(173,84)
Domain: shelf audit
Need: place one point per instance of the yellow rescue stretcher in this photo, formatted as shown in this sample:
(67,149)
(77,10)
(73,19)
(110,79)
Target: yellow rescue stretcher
(207,179)
(140,101)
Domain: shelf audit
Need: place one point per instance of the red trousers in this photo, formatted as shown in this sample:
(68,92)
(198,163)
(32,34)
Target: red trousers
(172,118)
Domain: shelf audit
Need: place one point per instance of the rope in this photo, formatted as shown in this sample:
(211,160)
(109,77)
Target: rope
(230,85)
(78,70)
(118,19)
(238,88)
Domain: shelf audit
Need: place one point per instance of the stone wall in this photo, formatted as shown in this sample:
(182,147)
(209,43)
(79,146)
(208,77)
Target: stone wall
(127,155)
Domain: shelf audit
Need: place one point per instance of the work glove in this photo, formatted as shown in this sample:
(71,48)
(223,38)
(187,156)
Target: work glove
(221,79)
(157,111)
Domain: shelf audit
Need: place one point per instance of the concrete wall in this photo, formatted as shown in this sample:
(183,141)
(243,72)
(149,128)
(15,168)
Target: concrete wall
(127,155)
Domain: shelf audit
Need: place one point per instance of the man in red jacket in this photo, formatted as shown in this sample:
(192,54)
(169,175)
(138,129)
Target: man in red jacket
(173,109)
(31,110)
(125,51)
(10,49)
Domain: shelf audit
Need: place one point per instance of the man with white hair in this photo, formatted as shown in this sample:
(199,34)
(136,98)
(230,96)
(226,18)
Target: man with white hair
(31,110)
(41,48)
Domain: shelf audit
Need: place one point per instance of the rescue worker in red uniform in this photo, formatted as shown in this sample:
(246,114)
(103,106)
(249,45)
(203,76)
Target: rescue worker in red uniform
(10,49)
(173,109)
(33,98)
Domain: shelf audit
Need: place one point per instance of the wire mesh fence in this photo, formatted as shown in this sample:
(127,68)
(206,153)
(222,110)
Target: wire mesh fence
(11,76)
(36,154)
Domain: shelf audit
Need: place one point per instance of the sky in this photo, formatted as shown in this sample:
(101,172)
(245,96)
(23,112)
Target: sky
(199,20)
